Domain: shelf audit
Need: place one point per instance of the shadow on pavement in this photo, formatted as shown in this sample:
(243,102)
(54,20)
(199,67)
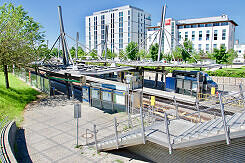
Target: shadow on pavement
(21,150)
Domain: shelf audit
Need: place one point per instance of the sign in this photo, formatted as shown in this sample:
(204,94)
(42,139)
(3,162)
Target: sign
(77,110)
(153,101)
(167,21)
(213,91)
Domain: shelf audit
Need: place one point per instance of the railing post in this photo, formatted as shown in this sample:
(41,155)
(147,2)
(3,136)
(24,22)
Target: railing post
(167,132)
(95,138)
(198,109)
(241,93)
(129,113)
(176,107)
(224,121)
(142,125)
(116,134)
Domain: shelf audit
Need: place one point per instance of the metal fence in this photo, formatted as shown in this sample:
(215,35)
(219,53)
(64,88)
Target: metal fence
(3,125)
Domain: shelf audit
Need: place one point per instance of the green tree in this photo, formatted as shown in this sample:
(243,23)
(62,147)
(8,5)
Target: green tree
(110,55)
(19,37)
(154,52)
(132,50)
(122,55)
(177,53)
(168,57)
(142,54)
(93,54)
(186,53)
(222,56)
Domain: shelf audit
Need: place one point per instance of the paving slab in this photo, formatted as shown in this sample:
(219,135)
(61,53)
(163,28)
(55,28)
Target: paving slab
(48,133)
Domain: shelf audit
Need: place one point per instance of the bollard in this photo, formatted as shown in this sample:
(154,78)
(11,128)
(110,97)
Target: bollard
(116,134)
(224,121)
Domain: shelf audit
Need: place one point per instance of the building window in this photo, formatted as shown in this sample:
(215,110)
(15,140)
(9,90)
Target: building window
(215,34)
(223,34)
(95,33)
(186,36)
(207,34)
(200,25)
(89,33)
(193,35)
(180,27)
(179,36)
(207,47)
(193,25)
(209,25)
(216,24)
(112,32)
(224,23)
(187,26)
(120,30)
(200,35)
(215,46)
(199,47)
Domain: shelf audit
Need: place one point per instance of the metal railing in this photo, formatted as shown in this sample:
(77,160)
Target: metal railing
(3,125)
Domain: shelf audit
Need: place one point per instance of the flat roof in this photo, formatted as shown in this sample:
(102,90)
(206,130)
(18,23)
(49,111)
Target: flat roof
(85,69)
(153,64)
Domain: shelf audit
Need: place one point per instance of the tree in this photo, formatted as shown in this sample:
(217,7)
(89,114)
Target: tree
(142,54)
(93,54)
(186,53)
(222,56)
(19,37)
(177,53)
(109,55)
(122,55)
(132,50)
(154,52)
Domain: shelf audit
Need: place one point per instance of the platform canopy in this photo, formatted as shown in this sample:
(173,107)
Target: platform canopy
(82,69)
(153,64)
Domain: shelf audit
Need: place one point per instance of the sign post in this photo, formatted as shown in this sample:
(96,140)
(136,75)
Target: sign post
(77,115)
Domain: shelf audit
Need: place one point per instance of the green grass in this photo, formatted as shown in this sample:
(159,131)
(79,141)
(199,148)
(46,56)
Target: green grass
(229,72)
(14,99)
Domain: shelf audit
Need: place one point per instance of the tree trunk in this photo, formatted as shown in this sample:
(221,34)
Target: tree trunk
(5,67)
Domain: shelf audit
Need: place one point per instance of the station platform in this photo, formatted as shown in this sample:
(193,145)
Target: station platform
(168,95)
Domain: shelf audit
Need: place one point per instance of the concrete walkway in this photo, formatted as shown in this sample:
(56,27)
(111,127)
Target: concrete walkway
(49,134)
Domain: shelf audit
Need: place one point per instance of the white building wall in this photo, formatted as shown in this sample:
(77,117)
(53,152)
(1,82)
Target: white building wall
(205,44)
(135,30)
(240,49)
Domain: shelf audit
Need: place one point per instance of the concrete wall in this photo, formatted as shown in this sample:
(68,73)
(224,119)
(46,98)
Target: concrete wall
(9,141)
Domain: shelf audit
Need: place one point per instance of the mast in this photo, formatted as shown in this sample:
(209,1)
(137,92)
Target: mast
(161,31)
(63,40)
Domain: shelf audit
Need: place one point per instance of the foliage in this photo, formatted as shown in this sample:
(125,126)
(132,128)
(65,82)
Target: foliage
(110,55)
(154,52)
(19,37)
(222,56)
(177,53)
(186,53)
(80,52)
(122,55)
(14,100)
(93,54)
(229,72)
(132,50)
(168,57)
(142,54)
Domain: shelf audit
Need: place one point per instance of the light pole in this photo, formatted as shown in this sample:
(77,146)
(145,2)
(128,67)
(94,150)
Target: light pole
(128,82)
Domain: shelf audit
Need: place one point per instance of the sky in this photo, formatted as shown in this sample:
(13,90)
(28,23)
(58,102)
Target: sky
(74,12)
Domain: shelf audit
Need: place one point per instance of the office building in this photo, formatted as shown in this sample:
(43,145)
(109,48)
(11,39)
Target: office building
(125,24)
(205,33)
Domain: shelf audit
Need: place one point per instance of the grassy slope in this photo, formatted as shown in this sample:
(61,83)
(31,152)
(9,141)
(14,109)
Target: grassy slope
(14,99)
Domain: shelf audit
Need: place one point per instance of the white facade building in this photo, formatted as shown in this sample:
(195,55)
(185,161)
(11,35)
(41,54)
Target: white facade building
(240,49)
(125,24)
(205,33)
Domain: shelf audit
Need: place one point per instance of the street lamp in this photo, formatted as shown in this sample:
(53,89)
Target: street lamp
(128,82)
